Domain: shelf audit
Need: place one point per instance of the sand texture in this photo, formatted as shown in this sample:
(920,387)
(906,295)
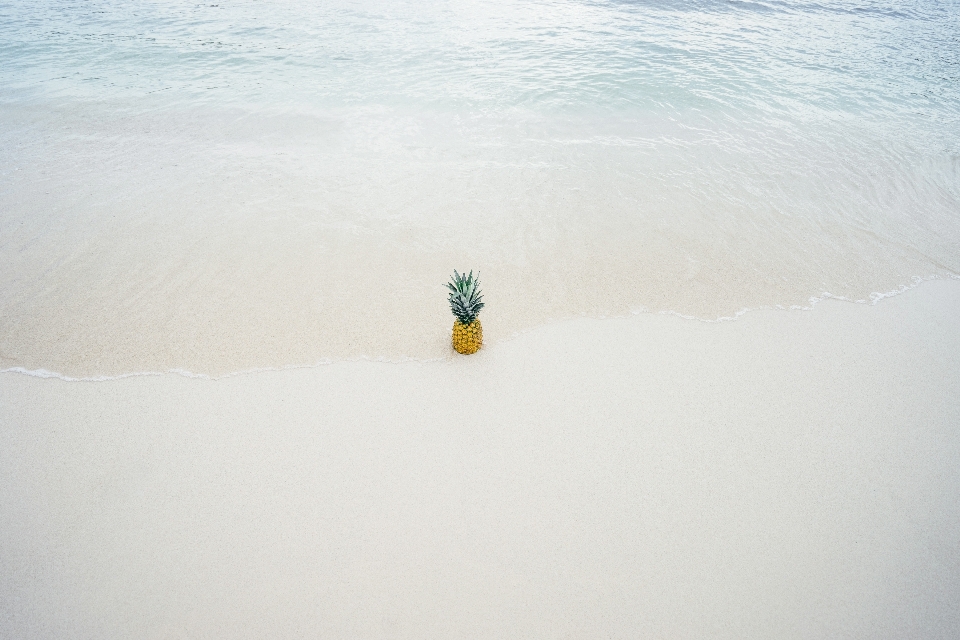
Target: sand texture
(791,474)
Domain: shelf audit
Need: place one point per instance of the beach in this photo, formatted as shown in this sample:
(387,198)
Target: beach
(788,474)
(718,244)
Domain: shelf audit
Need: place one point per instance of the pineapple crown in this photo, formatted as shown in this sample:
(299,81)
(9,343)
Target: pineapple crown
(465,298)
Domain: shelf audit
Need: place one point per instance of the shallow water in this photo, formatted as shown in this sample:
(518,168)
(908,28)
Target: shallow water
(225,186)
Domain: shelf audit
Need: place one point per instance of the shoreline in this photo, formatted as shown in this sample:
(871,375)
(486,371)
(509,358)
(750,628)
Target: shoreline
(873,299)
(789,475)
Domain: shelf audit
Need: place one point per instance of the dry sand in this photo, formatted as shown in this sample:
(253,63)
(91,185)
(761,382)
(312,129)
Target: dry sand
(792,474)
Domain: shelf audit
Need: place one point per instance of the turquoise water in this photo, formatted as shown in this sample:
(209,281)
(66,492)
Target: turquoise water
(795,62)
(230,185)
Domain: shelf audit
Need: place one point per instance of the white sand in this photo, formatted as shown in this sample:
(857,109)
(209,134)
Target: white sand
(788,475)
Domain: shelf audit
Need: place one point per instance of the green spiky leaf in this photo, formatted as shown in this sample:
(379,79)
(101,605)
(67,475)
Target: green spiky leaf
(466,299)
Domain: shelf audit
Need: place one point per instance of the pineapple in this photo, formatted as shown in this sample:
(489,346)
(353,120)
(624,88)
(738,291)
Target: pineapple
(466,302)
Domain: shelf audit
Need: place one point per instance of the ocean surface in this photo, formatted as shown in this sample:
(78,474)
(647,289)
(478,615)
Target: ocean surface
(223,186)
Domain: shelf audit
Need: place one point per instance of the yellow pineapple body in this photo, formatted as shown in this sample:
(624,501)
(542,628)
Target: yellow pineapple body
(467,338)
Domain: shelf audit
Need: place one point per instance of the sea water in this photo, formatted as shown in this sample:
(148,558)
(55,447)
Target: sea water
(236,184)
